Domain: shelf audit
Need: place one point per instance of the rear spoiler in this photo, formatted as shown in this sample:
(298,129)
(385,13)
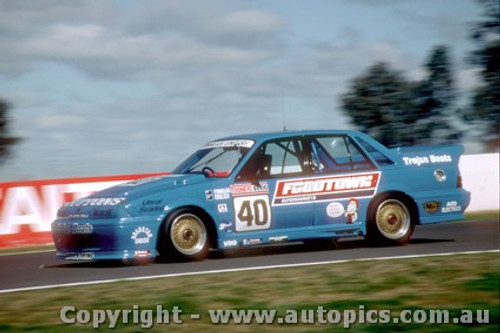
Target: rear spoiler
(427,155)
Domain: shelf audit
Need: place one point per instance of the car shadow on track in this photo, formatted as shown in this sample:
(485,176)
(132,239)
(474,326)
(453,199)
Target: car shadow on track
(313,246)
(255,251)
(92,264)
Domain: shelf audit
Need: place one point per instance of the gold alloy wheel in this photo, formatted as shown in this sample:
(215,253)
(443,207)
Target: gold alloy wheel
(188,234)
(393,219)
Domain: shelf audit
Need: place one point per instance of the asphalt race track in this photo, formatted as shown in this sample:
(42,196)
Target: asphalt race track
(42,269)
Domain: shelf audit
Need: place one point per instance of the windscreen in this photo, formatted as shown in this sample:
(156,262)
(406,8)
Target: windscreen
(220,157)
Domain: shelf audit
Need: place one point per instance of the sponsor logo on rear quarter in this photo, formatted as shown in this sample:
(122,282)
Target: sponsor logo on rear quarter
(432,207)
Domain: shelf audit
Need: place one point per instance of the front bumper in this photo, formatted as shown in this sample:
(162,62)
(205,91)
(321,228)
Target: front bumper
(105,239)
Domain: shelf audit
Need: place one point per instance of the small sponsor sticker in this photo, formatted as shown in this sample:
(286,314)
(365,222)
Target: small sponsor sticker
(153,209)
(142,253)
(152,202)
(222,208)
(335,209)
(278,239)
(209,195)
(75,228)
(432,207)
(225,226)
(229,143)
(82,256)
(222,193)
(141,235)
(351,211)
(451,207)
(230,242)
(252,241)
(246,189)
(95,202)
(86,228)
(76,216)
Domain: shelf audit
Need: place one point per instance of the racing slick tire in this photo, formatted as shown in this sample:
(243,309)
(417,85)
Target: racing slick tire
(391,221)
(185,236)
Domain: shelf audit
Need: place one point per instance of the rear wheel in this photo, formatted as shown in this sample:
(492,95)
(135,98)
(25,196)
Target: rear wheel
(186,237)
(391,222)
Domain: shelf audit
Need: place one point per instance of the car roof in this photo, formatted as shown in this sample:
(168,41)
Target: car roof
(286,134)
(261,137)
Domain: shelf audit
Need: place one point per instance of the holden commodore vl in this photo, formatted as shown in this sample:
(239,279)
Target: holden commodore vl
(268,188)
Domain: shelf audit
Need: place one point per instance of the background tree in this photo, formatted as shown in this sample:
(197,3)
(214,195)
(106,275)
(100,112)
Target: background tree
(485,106)
(395,111)
(380,104)
(435,112)
(5,140)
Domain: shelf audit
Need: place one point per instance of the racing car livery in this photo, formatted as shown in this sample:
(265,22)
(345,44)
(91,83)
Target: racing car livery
(267,188)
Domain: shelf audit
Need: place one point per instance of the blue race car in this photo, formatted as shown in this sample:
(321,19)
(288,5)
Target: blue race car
(267,188)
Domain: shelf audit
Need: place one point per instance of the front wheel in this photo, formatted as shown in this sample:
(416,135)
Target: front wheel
(186,237)
(391,222)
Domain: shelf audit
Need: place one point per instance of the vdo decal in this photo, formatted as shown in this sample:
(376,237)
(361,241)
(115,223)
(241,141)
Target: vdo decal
(306,190)
(252,213)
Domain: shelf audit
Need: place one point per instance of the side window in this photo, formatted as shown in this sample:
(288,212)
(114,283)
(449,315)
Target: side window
(358,160)
(337,149)
(380,158)
(337,154)
(285,156)
(332,153)
(274,159)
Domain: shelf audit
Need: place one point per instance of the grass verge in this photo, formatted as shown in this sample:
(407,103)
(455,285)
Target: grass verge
(27,249)
(453,283)
(484,215)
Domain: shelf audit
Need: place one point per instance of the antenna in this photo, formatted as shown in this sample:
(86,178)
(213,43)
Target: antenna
(283,112)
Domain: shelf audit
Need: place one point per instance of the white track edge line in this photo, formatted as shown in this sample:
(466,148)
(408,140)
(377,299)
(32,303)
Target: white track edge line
(25,252)
(230,270)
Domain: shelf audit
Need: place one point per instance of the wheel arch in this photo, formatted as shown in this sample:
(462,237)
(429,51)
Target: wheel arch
(404,197)
(198,211)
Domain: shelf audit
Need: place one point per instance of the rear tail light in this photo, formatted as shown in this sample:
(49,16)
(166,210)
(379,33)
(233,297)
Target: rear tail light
(459,181)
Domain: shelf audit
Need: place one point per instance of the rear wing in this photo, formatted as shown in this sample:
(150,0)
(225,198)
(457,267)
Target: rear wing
(428,155)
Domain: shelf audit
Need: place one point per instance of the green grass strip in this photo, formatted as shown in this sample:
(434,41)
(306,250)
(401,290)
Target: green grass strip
(453,283)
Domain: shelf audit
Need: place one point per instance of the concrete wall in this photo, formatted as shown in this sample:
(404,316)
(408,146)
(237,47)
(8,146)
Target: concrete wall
(480,174)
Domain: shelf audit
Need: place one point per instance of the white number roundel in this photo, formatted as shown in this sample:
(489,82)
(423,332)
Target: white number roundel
(252,213)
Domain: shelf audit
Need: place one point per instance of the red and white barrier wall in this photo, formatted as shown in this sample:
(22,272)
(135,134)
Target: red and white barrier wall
(28,208)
